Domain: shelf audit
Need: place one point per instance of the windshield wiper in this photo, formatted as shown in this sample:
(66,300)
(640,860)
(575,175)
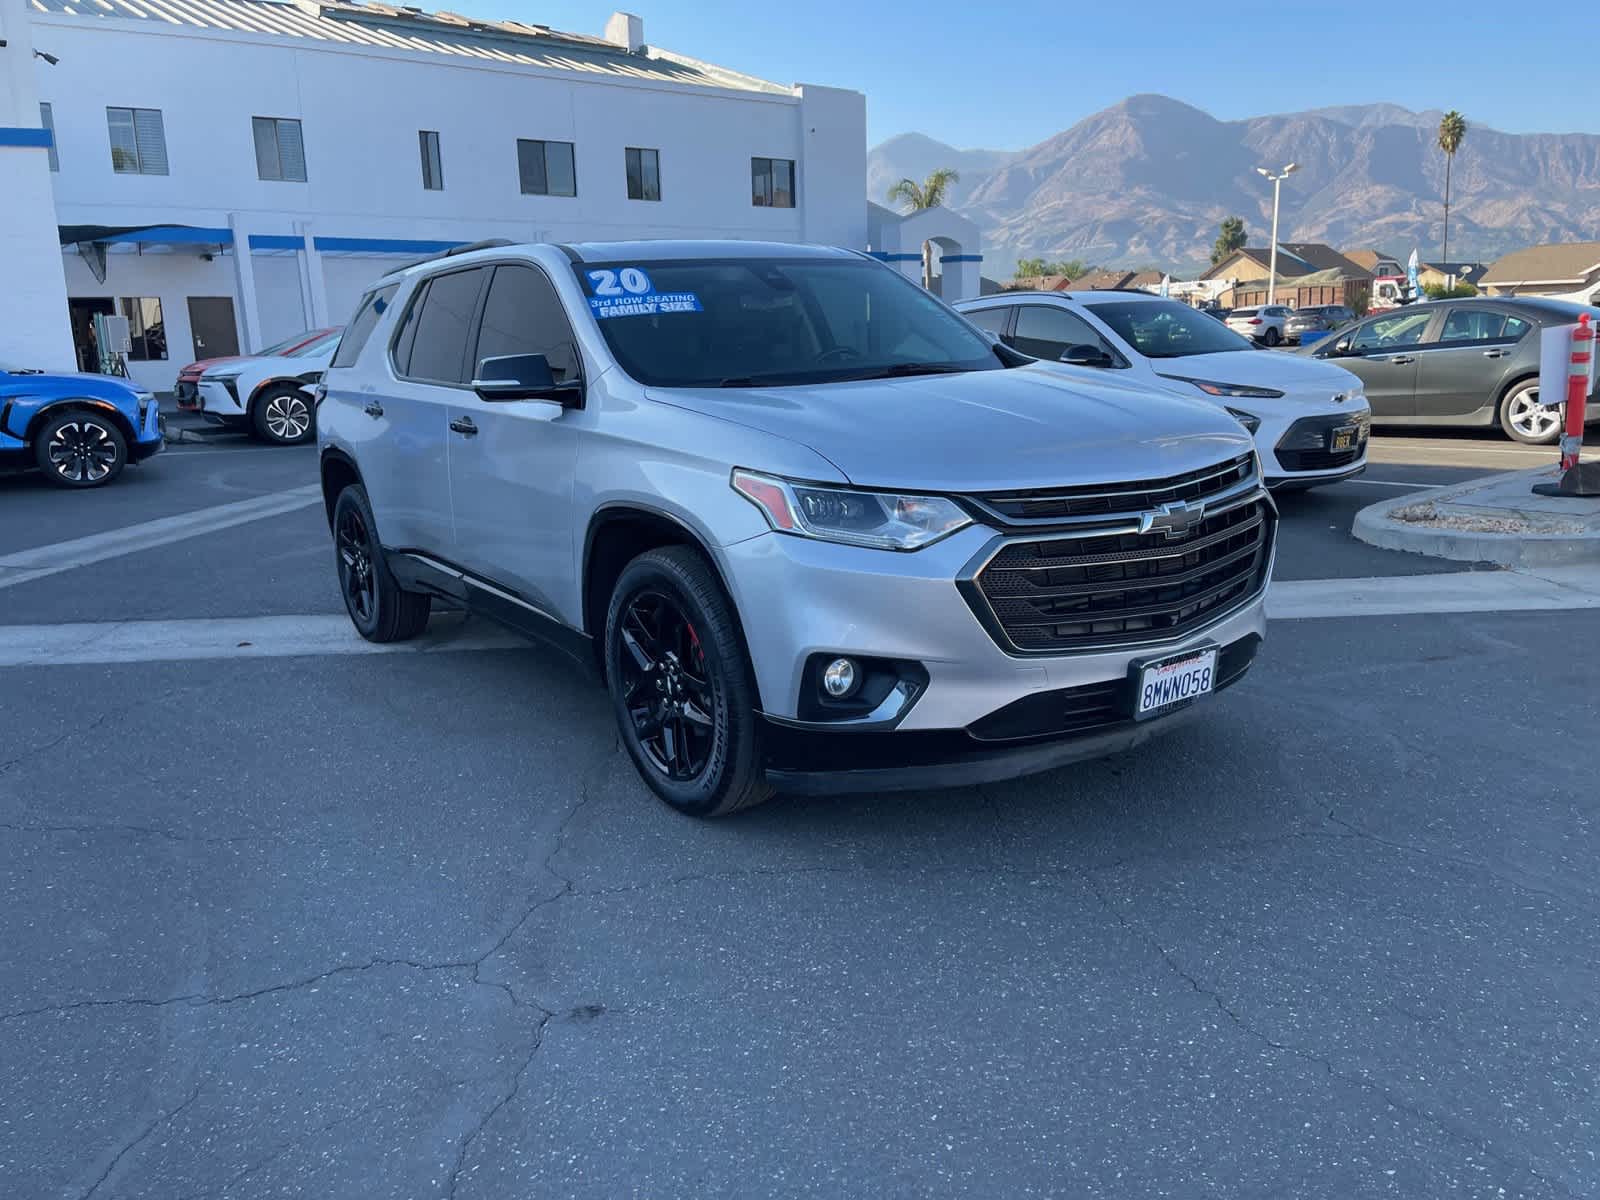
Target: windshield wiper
(906,370)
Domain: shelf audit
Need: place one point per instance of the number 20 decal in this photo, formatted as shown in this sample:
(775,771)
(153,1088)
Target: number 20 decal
(629,281)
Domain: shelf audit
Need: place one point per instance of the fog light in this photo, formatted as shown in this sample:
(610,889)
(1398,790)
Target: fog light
(839,678)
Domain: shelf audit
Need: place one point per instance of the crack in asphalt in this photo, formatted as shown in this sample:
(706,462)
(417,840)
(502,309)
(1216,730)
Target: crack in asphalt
(75,731)
(1235,1018)
(149,1129)
(476,1131)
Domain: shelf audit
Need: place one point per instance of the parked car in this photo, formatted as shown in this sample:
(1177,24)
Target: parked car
(1472,362)
(1315,318)
(1310,427)
(186,389)
(817,532)
(1265,324)
(269,394)
(80,430)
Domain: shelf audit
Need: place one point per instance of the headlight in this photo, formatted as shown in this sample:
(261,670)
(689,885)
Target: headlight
(1249,420)
(1212,388)
(221,376)
(883,520)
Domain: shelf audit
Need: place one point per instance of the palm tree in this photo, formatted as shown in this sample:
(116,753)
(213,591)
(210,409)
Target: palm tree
(1452,129)
(916,196)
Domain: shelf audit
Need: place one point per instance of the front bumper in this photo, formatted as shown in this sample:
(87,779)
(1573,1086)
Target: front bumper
(219,398)
(804,599)
(151,434)
(1006,745)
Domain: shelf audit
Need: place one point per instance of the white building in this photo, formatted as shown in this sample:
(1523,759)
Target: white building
(229,172)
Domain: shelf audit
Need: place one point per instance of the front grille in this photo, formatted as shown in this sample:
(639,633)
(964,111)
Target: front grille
(1319,460)
(1107,589)
(1096,500)
(1304,445)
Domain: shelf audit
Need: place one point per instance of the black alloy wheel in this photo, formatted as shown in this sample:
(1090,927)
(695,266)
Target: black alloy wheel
(665,685)
(81,450)
(357,581)
(379,608)
(681,685)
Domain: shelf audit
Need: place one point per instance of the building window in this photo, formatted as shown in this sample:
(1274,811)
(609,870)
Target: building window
(545,168)
(145,328)
(644,174)
(47,118)
(772,182)
(138,141)
(280,150)
(432,164)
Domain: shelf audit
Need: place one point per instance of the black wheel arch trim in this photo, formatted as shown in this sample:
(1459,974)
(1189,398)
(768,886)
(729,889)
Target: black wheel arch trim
(330,455)
(36,422)
(612,511)
(260,389)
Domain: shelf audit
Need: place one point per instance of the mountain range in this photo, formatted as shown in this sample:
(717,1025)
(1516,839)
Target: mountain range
(1146,182)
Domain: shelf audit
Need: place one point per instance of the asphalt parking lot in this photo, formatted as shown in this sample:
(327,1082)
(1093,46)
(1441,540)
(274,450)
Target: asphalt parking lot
(319,922)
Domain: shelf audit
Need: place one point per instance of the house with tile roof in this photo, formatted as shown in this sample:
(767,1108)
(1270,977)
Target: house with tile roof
(1568,270)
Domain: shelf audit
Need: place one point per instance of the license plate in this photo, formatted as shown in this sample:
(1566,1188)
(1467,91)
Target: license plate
(1170,683)
(1343,438)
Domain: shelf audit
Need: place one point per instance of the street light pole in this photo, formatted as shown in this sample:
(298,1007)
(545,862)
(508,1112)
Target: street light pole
(1272,264)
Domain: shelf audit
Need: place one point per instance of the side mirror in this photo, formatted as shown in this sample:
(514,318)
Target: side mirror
(1086,356)
(524,377)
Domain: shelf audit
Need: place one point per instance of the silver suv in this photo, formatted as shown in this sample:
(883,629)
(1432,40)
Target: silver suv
(817,532)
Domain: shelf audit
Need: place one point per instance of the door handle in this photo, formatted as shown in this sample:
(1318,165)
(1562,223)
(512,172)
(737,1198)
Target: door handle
(464,426)
(1401,360)
(1494,353)
(373,409)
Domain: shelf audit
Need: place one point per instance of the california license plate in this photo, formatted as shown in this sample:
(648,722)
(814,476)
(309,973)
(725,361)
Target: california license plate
(1342,438)
(1169,683)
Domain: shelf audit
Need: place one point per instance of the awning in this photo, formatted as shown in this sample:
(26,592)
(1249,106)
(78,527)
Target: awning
(162,235)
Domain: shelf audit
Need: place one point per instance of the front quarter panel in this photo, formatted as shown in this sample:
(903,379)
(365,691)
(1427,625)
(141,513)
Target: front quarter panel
(644,453)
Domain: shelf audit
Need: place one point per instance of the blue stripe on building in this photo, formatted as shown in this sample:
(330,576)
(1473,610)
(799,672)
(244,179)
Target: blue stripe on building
(962,258)
(883,257)
(12,135)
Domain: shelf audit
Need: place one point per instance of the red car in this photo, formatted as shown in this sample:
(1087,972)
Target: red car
(187,388)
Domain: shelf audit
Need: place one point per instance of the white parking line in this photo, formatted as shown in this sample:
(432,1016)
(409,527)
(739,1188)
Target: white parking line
(40,561)
(331,634)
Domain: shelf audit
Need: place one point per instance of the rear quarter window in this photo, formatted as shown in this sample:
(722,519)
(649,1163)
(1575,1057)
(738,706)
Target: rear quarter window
(368,313)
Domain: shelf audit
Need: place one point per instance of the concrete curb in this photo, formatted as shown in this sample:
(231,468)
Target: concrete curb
(1376,526)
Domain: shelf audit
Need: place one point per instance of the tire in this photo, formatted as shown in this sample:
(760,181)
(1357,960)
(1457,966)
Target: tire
(693,662)
(379,608)
(1523,420)
(80,449)
(1272,337)
(283,416)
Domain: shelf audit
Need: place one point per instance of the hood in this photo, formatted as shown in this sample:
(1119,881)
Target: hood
(1290,373)
(982,430)
(203,364)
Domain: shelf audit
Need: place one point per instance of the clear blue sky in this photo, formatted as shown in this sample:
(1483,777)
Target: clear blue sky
(1008,74)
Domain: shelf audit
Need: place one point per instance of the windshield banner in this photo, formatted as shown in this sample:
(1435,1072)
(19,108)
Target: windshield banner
(628,292)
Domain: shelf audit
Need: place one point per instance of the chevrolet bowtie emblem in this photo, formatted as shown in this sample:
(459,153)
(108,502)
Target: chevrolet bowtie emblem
(1173,520)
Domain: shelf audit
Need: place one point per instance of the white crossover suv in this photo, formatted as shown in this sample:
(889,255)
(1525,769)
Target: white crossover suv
(1310,426)
(268,394)
(816,532)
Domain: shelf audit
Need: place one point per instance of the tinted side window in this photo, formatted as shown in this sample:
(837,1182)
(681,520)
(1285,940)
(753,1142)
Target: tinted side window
(992,319)
(1047,332)
(1401,329)
(373,305)
(439,344)
(523,315)
(1472,325)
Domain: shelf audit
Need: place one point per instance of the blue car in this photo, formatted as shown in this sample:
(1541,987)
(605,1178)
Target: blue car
(80,430)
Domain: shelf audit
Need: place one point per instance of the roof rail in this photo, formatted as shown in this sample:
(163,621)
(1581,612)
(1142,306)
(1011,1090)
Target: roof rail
(466,248)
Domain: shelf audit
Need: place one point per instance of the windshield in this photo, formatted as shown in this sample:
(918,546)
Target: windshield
(773,322)
(315,346)
(280,347)
(1166,328)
